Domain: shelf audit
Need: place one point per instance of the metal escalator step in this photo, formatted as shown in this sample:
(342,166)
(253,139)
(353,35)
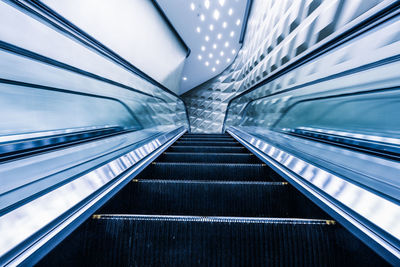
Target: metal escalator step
(195,139)
(208,157)
(132,240)
(220,149)
(205,143)
(244,199)
(208,171)
(206,135)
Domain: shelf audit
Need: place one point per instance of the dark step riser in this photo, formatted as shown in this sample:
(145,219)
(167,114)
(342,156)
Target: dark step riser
(196,143)
(200,149)
(207,139)
(216,172)
(208,158)
(212,199)
(133,242)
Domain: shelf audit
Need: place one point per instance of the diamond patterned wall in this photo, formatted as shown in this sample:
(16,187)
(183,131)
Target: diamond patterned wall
(279,32)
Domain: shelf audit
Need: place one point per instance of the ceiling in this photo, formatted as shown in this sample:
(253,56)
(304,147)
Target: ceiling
(211,29)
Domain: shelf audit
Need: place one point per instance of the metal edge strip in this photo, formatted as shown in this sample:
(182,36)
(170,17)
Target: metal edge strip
(82,196)
(302,177)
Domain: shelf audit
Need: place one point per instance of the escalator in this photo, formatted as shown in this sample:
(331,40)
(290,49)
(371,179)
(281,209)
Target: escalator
(208,201)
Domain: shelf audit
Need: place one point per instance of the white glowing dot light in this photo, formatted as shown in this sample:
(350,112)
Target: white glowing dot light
(206,63)
(226,44)
(233,51)
(203,48)
(224,24)
(202,17)
(207,4)
(228,60)
(221,2)
(199,57)
(198,29)
(232,34)
(216,14)
(221,53)
(217,62)
(213,69)
(238,22)
(207,38)
(211,27)
(184,78)
(219,36)
(215,46)
(192,6)
(210,55)
(230,12)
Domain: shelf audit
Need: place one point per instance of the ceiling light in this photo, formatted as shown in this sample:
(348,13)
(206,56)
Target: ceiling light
(184,78)
(217,61)
(221,53)
(219,36)
(230,12)
(226,44)
(211,27)
(215,46)
(198,29)
(207,4)
(221,2)
(199,57)
(210,55)
(216,14)
(228,60)
(233,51)
(213,69)
(207,38)
(202,17)
(192,6)
(206,63)
(232,33)
(203,48)
(238,22)
(224,24)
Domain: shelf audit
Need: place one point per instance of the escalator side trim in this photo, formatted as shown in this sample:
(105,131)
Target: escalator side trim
(48,230)
(323,187)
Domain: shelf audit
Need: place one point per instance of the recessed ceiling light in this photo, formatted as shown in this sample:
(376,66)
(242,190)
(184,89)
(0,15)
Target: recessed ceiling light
(215,46)
(207,4)
(224,24)
(213,69)
(199,57)
(192,6)
(221,2)
(230,12)
(238,22)
(217,61)
(202,17)
(210,55)
(198,29)
(203,48)
(211,27)
(219,36)
(233,51)
(228,60)
(184,78)
(216,14)
(221,53)
(206,63)
(232,33)
(207,38)
(226,44)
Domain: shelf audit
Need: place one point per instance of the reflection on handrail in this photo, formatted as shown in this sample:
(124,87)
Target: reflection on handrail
(377,145)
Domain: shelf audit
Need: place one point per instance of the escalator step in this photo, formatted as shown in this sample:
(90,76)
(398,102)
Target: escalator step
(252,199)
(206,139)
(132,240)
(205,143)
(208,157)
(219,149)
(208,171)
